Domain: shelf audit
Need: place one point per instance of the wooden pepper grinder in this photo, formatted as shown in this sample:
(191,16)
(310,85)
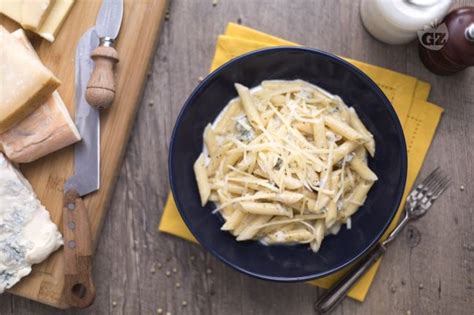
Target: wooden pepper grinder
(458,52)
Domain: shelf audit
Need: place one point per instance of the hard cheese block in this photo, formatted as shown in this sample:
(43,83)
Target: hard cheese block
(43,17)
(27,235)
(25,83)
(49,128)
(34,12)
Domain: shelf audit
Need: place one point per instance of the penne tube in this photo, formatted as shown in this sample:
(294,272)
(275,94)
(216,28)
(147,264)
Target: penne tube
(355,200)
(216,159)
(288,197)
(210,140)
(249,107)
(234,220)
(224,122)
(331,214)
(343,150)
(278,100)
(228,210)
(233,188)
(319,134)
(213,197)
(343,129)
(249,231)
(231,159)
(304,127)
(362,169)
(266,116)
(244,222)
(292,236)
(357,124)
(202,179)
(343,110)
(247,162)
(265,208)
(319,231)
(331,208)
(291,182)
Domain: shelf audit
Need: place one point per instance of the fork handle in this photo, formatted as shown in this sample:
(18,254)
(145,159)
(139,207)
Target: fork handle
(338,291)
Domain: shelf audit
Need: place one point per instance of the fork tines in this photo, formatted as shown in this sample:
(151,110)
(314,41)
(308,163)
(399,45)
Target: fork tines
(435,184)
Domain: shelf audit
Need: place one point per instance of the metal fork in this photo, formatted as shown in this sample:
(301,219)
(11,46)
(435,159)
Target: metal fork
(418,202)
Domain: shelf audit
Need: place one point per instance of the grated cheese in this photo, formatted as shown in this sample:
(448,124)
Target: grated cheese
(274,164)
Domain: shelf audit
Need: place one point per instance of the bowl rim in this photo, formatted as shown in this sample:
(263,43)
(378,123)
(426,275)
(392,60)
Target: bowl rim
(361,75)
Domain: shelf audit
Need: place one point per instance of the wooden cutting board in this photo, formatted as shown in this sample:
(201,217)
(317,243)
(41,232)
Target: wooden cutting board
(136,45)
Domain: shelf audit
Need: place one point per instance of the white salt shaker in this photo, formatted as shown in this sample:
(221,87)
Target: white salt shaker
(397,21)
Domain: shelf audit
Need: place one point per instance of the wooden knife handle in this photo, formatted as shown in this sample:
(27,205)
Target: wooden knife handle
(100,90)
(79,289)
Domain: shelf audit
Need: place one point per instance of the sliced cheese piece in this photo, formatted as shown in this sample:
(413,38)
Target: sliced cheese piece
(27,234)
(34,12)
(44,22)
(55,19)
(25,83)
(12,9)
(47,129)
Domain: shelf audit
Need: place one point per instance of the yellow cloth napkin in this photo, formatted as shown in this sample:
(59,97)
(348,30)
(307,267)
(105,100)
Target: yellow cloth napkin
(408,96)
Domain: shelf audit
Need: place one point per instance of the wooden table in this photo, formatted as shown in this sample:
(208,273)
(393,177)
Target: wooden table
(429,269)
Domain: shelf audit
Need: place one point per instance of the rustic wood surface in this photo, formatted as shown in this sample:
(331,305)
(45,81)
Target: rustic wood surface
(428,270)
(47,175)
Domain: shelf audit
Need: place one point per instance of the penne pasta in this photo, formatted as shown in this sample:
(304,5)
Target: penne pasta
(343,129)
(202,179)
(224,122)
(292,236)
(357,124)
(355,200)
(285,163)
(362,169)
(319,133)
(233,220)
(210,140)
(250,230)
(265,208)
(319,230)
(249,107)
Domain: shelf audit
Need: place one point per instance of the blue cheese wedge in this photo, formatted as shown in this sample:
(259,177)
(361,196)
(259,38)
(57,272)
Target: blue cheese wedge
(27,234)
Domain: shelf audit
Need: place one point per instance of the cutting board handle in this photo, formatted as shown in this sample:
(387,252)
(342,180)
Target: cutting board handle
(79,289)
(100,90)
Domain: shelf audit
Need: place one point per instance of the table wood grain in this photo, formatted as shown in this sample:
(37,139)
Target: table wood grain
(428,270)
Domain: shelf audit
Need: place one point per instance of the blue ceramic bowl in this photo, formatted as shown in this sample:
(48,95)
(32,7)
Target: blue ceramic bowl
(280,262)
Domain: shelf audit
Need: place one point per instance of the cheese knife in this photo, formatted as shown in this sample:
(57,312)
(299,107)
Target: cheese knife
(79,290)
(101,87)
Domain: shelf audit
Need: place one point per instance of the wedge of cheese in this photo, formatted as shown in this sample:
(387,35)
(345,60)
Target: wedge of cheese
(46,130)
(27,234)
(25,83)
(43,17)
(34,12)
(55,19)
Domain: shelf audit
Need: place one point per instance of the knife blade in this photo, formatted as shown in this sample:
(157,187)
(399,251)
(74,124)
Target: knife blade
(109,19)
(101,87)
(86,178)
(79,289)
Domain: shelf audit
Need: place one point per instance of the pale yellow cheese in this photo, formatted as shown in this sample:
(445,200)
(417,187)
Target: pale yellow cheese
(46,130)
(34,12)
(12,9)
(25,83)
(44,17)
(50,27)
